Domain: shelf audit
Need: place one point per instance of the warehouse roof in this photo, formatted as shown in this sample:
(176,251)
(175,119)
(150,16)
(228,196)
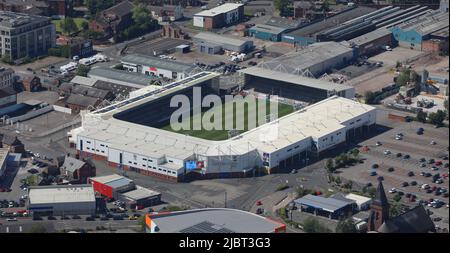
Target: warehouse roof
(71,164)
(213,220)
(3,156)
(318,202)
(113,180)
(61,194)
(360,200)
(441,33)
(140,193)
(426,24)
(224,8)
(315,54)
(135,80)
(350,13)
(219,39)
(369,37)
(81,100)
(283,22)
(87,81)
(268,28)
(151,61)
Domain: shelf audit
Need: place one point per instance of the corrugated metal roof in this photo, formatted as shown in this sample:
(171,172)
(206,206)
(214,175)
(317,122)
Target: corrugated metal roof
(61,194)
(318,202)
(219,39)
(150,61)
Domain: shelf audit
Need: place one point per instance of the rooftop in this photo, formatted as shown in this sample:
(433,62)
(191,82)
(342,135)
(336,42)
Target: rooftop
(15,19)
(318,202)
(224,8)
(140,193)
(3,155)
(113,180)
(83,80)
(61,194)
(268,28)
(312,29)
(156,62)
(426,24)
(82,100)
(213,220)
(371,36)
(285,23)
(219,39)
(71,164)
(135,80)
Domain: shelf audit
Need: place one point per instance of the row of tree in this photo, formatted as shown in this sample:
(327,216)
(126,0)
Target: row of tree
(435,118)
(142,24)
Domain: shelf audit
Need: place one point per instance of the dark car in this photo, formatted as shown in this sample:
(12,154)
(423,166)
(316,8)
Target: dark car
(90,218)
(117,217)
(51,218)
(391,169)
(76,217)
(375,166)
(422,159)
(104,218)
(413,183)
(408,195)
(410,174)
(406,157)
(431,161)
(33,171)
(399,154)
(400,193)
(405,184)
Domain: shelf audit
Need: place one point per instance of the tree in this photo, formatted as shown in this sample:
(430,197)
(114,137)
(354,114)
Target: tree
(329,166)
(141,15)
(312,225)
(436,118)
(371,191)
(325,6)
(369,97)
(302,192)
(395,209)
(346,226)
(66,51)
(82,70)
(355,153)
(68,25)
(37,228)
(85,25)
(421,116)
(403,78)
(397,197)
(282,6)
(7,59)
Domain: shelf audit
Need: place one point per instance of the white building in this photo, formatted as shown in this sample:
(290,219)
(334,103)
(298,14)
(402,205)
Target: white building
(219,16)
(153,66)
(157,152)
(62,200)
(363,203)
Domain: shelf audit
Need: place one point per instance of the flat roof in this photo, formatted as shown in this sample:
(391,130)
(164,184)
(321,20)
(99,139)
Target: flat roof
(371,36)
(140,193)
(107,179)
(327,204)
(358,198)
(219,39)
(213,220)
(295,79)
(3,155)
(122,77)
(61,194)
(87,81)
(156,62)
(268,28)
(224,8)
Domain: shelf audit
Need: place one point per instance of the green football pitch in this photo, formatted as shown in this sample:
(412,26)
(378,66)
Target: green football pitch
(217,135)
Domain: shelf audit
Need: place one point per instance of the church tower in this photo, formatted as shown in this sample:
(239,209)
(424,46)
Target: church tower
(379,209)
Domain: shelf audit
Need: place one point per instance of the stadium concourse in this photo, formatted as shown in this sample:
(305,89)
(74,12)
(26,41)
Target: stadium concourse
(128,134)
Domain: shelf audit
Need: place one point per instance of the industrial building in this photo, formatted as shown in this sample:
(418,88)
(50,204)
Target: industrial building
(377,19)
(412,33)
(121,77)
(140,198)
(307,34)
(6,77)
(211,220)
(153,66)
(212,43)
(329,207)
(220,16)
(127,135)
(373,42)
(273,28)
(25,35)
(61,200)
(313,60)
(112,185)
(3,158)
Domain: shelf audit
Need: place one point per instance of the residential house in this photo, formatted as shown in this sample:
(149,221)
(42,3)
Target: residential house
(78,102)
(32,83)
(167,12)
(12,143)
(113,20)
(77,171)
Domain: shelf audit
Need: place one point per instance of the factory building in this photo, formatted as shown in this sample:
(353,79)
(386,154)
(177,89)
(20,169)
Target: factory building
(61,200)
(307,34)
(413,33)
(373,42)
(212,43)
(381,18)
(112,185)
(220,16)
(140,198)
(211,220)
(273,29)
(153,66)
(126,135)
(121,77)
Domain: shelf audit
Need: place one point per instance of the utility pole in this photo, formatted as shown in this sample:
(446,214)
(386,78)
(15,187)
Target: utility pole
(225,200)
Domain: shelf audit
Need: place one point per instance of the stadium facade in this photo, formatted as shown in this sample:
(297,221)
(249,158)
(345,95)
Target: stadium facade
(128,136)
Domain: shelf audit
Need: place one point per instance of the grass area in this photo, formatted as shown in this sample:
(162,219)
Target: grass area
(218,135)
(78,22)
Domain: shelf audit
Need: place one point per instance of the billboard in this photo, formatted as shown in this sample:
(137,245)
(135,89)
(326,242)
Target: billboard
(194,165)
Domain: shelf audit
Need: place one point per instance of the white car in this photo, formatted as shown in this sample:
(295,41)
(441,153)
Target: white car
(398,138)
(378,144)
(11,219)
(425,186)
(387,152)
(393,190)
(432,143)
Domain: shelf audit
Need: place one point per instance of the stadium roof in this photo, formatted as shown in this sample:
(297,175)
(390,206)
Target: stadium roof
(151,61)
(348,14)
(224,8)
(219,39)
(313,55)
(61,194)
(213,220)
(135,80)
(295,79)
(327,204)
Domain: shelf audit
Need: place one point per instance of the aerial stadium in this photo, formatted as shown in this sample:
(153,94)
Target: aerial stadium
(135,134)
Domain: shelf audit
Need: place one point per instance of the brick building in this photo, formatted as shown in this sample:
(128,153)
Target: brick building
(221,16)
(32,83)
(113,20)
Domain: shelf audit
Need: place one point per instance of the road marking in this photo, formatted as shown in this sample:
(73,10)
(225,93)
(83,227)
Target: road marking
(7,229)
(20,229)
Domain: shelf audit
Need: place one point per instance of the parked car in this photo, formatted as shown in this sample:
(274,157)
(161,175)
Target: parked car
(410,174)
(391,169)
(399,154)
(393,190)
(387,152)
(405,184)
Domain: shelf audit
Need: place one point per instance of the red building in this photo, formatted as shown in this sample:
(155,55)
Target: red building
(110,186)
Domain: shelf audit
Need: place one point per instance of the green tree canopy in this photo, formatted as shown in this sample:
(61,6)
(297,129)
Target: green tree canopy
(312,225)
(68,25)
(82,70)
(281,5)
(346,226)
(437,118)
(421,116)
